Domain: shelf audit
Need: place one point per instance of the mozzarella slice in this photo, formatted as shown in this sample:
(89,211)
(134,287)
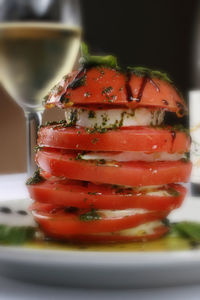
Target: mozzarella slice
(113,117)
(141,230)
(121,213)
(132,156)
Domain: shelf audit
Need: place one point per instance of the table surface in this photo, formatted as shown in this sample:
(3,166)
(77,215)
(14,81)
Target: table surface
(13,289)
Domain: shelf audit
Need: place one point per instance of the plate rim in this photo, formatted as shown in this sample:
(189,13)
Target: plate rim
(98,259)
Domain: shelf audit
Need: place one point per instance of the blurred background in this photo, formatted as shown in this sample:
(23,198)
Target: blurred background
(159,34)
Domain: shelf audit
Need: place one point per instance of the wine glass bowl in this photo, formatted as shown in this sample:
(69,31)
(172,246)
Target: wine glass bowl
(39,44)
(33,57)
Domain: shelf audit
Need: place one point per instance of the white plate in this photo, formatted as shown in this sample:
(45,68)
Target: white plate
(106,269)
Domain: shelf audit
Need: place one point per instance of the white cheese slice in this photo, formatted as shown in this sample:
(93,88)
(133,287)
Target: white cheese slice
(141,230)
(121,213)
(133,156)
(114,117)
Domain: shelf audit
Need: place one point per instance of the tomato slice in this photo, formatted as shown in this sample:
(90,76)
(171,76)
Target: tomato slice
(66,164)
(136,138)
(109,87)
(101,86)
(86,195)
(156,93)
(62,224)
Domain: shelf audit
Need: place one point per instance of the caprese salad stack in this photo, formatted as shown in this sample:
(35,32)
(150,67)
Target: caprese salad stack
(111,170)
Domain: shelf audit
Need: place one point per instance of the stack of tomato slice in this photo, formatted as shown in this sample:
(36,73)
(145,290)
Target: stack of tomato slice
(110,172)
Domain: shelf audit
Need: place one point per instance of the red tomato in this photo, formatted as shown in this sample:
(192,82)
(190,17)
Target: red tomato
(86,195)
(157,93)
(108,86)
(136,138)
(124,173)
(102,85)
(61,224)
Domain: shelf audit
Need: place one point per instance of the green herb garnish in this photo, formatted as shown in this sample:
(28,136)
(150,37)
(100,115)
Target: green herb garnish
(107,90)
(54,123)
(73,117)
(88,60)
(36,178)
(91,114)
(90,216)
(79,155)
(173,192)
(190,230)
(16,235)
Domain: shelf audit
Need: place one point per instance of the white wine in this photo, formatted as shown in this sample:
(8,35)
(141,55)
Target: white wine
(34,57)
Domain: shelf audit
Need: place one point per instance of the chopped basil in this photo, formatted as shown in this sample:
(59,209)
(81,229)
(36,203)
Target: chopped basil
(54,123)
(147,72)
(79,155)
(107,90)
(96,129)
(190,230)
(95,140)
(92,193)
(173,192)
(90,216)
(36,178)
(73,117)
(101,162)
(16,235)
(91,114)
(88,60)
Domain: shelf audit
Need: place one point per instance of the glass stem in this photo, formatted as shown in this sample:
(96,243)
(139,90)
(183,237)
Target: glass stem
(33,121)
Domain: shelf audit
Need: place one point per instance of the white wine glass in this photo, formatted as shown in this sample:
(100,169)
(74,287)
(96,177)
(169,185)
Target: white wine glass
(39,44)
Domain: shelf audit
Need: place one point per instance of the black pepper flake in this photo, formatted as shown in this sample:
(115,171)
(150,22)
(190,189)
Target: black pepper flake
(107,90)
